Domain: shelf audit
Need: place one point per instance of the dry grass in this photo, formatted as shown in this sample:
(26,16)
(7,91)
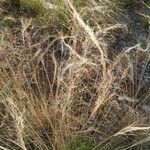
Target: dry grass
(47,103)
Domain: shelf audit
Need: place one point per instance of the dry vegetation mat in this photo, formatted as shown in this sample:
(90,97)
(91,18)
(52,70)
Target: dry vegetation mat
(74,75)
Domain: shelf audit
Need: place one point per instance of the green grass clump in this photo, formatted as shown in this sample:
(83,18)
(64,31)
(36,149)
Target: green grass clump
(80,143)
(143,20)
(23,7)
(130,3)
(33,7)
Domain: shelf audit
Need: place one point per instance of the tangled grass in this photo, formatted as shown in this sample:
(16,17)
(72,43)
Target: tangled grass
(98,98)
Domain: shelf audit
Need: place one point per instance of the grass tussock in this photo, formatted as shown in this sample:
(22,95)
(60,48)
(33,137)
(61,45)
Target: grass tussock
(67,82)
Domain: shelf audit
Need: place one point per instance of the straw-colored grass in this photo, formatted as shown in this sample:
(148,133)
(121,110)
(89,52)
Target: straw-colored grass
(98,98)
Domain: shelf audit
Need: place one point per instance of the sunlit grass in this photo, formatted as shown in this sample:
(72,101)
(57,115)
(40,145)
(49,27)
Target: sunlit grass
(92,100)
